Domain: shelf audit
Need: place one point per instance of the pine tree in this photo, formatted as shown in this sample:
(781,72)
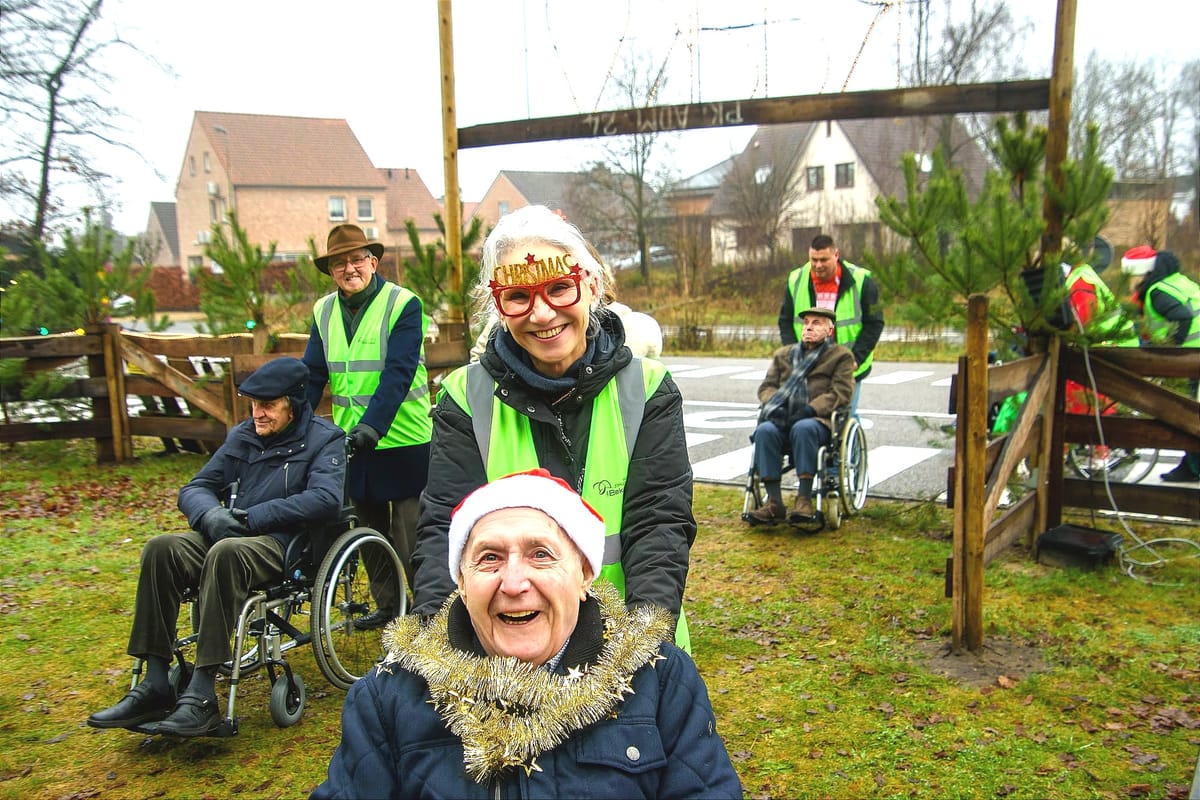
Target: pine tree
(428,275)
(991,244)
(77,284)
(235,299)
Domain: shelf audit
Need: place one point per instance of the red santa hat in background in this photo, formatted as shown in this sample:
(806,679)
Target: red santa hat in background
(1138,260)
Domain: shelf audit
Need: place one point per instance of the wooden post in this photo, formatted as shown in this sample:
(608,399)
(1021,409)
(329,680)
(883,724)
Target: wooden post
(114,379)
(1057,129)
(974,478)
(958,556)
(450,158)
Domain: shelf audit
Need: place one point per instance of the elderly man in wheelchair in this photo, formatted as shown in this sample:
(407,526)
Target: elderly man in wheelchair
(804,385)
(275,474)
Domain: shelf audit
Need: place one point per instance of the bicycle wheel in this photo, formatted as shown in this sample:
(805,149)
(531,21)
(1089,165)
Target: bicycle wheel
(1118,464)
(343,595)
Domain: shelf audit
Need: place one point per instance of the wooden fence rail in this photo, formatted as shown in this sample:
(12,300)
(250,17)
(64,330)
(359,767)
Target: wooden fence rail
(186,383)
(984,465)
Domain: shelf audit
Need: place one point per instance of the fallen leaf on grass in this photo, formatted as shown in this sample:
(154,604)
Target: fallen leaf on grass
(1006,682)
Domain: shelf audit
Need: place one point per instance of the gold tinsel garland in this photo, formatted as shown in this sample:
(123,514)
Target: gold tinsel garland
(506,711)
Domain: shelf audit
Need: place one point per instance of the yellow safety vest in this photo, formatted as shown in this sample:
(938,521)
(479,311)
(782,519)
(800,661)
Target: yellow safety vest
(849,308)
(355,366)
(1185,291)
(505,444)
(1106,321)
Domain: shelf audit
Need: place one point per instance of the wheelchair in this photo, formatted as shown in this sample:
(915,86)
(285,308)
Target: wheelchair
(839,484)
(324,579)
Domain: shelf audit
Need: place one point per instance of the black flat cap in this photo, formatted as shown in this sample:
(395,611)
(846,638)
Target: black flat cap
(281,377)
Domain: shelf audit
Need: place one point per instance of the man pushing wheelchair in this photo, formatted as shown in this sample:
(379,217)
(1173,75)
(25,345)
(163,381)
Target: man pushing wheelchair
(805,383)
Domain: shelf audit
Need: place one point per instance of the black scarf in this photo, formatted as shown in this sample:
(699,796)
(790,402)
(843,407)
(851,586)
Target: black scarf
(784,406)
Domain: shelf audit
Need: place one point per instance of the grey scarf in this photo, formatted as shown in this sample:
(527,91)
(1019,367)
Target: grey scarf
(784,406)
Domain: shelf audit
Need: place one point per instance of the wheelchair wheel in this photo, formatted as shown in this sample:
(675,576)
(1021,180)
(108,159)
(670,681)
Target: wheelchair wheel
(342,595)
(852,467)
(287,700)
(832,508)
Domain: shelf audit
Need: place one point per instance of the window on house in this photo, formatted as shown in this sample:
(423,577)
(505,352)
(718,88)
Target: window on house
(195,262)
(816,178)
(207,163)
(503,207)
(843,175)
(192,166)
(366,208)
(337,209)
(761,174)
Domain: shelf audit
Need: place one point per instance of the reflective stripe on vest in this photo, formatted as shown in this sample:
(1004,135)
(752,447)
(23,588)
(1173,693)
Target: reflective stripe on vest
(1178,286)
(848,310)
(355,366)
(1106,320)
(505,444)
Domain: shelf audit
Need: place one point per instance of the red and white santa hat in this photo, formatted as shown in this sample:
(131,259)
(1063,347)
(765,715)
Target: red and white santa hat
(1138,260)
(538,489)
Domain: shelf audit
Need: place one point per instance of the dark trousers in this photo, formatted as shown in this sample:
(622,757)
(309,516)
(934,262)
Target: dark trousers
(223,574)
(804,438)
(396,520)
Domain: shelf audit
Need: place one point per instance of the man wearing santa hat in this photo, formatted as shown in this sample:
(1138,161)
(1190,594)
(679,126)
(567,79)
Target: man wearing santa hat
(1170,303)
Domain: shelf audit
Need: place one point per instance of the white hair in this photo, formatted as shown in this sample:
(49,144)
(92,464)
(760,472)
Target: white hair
(531,225)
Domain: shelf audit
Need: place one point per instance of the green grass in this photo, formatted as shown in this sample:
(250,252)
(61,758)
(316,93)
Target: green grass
(825,657)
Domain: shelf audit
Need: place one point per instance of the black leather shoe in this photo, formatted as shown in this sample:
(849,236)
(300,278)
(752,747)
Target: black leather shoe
(193,716)
(140,706)
(1181,474)
(376,619)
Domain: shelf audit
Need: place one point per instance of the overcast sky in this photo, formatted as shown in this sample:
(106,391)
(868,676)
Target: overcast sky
(376,64)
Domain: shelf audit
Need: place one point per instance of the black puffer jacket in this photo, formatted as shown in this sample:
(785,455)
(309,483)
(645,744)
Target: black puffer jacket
(285,482)
(657,523)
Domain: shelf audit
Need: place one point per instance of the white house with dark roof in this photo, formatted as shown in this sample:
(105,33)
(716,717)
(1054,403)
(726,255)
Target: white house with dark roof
(840,168)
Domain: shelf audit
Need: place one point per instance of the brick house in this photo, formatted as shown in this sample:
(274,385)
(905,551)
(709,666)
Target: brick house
(290,179)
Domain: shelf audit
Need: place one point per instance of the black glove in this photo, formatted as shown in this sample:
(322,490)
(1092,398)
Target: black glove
(363,438)
(805,411)
(219,523)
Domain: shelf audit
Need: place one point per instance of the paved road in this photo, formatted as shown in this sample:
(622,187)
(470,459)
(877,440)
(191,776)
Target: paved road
(903,407)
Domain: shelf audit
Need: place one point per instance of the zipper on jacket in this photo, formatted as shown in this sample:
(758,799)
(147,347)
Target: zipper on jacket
(566,443)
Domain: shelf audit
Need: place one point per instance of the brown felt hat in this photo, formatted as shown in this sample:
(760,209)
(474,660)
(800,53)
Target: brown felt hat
(343,239)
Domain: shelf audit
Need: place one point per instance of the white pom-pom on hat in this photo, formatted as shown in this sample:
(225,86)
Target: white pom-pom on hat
(538,489)
(1138,260)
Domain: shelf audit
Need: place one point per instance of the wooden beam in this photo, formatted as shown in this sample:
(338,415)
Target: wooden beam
(1182,502)
(1136,392)
(997,97)
(1010,527)
(452,205)
(176,381)
(1017,443)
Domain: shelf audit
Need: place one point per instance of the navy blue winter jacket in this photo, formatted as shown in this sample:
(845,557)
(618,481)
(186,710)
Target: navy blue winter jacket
(663,743)
(285,482)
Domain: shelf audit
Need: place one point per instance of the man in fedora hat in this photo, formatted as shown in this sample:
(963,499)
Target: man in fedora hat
(367,343)
(805,383)
(242,516)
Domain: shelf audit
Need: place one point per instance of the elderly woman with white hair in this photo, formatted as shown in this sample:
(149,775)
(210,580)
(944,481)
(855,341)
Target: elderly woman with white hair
(557,388)
(530,681)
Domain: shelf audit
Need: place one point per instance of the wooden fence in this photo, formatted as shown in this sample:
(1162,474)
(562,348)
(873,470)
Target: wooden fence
(186,383)
(985,465)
